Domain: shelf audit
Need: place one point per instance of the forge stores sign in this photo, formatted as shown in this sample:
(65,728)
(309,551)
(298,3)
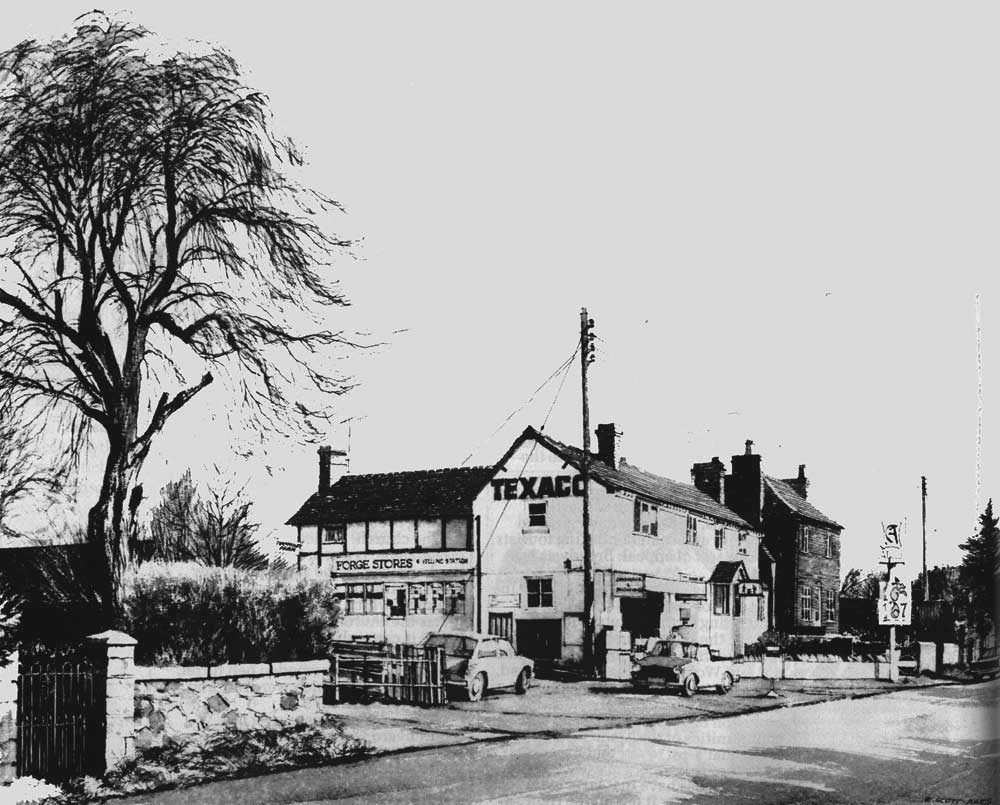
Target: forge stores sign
(545,486)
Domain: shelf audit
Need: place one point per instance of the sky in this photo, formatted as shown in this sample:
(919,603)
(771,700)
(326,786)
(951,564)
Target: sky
(781,217)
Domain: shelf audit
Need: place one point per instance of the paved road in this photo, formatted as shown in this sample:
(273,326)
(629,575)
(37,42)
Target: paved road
(921,745)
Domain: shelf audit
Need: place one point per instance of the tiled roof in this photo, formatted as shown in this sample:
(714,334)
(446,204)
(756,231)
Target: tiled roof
(395,495)
(654,487)
(726,572)
(798,504)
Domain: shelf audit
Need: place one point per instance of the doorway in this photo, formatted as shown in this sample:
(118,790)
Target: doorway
(641,616)
(540,639)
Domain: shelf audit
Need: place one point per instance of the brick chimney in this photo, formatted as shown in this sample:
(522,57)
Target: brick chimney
(710,478)
(745,486)
(607,443)
(799,484)
(326,454)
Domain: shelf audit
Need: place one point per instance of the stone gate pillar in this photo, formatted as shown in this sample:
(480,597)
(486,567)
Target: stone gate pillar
(8,719)
(118,651)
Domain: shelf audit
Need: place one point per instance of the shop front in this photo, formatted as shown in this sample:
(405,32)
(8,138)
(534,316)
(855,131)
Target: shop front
(400,598)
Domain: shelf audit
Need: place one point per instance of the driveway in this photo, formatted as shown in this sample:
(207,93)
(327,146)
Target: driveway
(917,745)
(557,708)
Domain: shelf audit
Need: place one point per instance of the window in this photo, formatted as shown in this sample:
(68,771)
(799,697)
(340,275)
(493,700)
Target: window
(804,540)
(691,534)
(395,600)
(805,604)
(362,599)
(429,534)
(455,598)
(829,605)
(742,543)
(539,592)
(828,545)
(426,598)
(536,514)
(488,648)
(334,534)
(720,599)
(720,538)
(456,535)
(761,608)
(646,518)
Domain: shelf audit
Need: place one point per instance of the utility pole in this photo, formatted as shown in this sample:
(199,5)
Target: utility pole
(923,510)
(586,358)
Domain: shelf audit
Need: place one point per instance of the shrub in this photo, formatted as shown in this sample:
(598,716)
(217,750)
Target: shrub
(183,614)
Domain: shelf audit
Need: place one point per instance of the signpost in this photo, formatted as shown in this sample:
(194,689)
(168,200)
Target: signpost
(894,594)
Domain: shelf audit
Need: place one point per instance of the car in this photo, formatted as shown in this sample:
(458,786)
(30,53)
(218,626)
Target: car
(480,662)
(683,665)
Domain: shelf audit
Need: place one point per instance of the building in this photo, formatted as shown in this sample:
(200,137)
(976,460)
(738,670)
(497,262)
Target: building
(804,543)
(500,549)
(399,547)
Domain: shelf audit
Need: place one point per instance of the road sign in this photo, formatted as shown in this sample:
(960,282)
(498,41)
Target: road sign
(894,602)
(892,545)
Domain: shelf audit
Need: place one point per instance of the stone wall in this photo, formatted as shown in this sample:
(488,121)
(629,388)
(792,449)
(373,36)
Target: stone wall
(190,704)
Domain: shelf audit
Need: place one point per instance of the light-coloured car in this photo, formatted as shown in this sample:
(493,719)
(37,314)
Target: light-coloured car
(477,662)
(683,665)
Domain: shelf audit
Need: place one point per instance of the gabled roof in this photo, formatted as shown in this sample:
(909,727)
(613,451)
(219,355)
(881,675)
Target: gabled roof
(395,495)
(727,572)
(798,504)
(655,488)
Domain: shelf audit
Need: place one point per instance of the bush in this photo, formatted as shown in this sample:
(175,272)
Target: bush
(183,614)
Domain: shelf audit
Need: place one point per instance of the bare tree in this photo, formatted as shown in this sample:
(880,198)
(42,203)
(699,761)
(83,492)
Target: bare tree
(154,237)
(215,531)
(23,474)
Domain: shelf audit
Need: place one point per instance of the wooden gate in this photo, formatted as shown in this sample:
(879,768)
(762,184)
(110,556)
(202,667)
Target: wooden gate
(400,673)
(60,716)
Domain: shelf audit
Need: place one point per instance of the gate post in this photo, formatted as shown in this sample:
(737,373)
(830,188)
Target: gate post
(8,719)
(118,650)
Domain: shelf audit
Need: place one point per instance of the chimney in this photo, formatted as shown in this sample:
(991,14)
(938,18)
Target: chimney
(607,443)
(745,486)
(326,454)
(709,477)
(799,484)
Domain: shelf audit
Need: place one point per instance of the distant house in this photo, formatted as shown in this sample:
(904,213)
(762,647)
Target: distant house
(804,542)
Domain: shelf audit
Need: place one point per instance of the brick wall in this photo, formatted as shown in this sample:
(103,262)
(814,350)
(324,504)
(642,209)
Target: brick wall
(190,704)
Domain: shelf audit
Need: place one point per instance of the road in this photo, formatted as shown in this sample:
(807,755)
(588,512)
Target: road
(921,745)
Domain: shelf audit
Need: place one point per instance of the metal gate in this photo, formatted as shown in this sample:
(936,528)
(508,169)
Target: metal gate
(406,674)
(60,716)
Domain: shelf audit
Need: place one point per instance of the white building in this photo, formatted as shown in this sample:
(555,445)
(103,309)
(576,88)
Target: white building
(665,555)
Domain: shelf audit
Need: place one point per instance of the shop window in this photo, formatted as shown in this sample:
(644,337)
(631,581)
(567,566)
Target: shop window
(456,535)
(720,538)
(395,601)
(417,599)
(361,599)
(646,518)
(742,543)
(691,534)
(455,598)
(805,604)
(429,534)
(720,599)
(404,535)
(537,514)
(539,592)
(374,602)
(829,605)
(761,608)
(804,540)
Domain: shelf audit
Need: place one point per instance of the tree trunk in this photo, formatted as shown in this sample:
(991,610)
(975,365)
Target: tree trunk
(108,532)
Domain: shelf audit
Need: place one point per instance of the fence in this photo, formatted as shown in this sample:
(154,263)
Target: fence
(406,674)
(61,719)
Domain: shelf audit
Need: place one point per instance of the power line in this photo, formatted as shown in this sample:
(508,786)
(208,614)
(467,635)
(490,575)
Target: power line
(521,407)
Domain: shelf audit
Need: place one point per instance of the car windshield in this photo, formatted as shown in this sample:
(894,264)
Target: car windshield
(673,648)
(453,645)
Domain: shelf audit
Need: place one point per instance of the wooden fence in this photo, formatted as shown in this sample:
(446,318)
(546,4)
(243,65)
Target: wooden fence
(405,674)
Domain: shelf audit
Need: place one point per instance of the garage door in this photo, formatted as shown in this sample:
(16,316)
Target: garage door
(540,639)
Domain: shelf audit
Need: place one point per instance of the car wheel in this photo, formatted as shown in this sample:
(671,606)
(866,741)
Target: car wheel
(727,682)
(690,685)
(477,687)
(523,681)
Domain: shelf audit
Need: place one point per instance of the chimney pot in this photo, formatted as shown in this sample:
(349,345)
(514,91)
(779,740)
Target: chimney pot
(749,448)
(802,472)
